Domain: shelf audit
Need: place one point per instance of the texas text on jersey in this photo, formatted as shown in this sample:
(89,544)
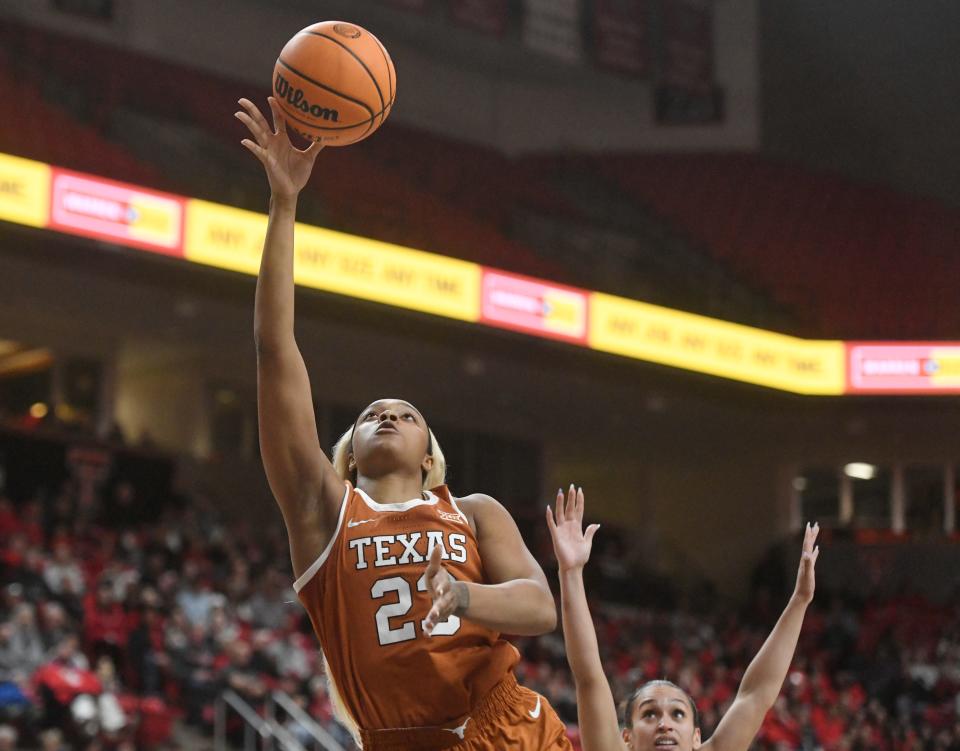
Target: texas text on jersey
(366,596)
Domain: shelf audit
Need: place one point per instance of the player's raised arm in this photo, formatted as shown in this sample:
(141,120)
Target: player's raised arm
(301,477)
(764,677)
(596,709)
(518,599)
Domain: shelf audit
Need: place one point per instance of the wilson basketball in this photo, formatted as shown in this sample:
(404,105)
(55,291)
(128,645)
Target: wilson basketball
(335,80)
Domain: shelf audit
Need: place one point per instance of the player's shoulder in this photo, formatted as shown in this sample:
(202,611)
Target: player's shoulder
(480,508)
(476,502)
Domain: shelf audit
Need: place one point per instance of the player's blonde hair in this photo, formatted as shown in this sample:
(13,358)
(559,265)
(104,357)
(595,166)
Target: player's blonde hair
(341,460)
(340,711)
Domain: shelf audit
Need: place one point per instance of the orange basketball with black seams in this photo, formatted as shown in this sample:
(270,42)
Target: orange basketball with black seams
(335,81)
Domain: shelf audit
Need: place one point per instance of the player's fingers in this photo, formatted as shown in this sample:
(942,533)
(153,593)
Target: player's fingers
(254,129)
(571,505)
(251,116)
(435,616)
(560,511)
(591,531)
(279,121)
(433,567)
(816,554)
(551,524)
(254,111)
(579,503)
(257,150)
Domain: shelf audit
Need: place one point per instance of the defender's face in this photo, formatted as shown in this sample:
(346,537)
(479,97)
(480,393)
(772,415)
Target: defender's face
(662,719)
(390,434)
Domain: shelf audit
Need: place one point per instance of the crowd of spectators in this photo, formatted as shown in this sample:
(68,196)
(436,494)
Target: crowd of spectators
(112,632)
(868,676)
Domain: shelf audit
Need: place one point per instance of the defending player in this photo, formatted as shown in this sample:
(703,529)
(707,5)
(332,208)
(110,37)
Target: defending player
(659,714)
(414,656)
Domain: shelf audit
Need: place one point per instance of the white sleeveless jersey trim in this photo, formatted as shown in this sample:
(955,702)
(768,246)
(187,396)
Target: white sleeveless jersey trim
(463,516)
(401,506)
(321,559)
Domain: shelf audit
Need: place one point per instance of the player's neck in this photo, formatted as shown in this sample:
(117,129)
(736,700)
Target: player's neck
(392,488)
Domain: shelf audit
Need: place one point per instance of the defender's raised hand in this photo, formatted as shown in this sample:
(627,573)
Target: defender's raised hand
(570,543)
(806,575)
(288,168)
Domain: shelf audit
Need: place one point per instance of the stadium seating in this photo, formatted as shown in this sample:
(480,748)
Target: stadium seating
(810,240)
(163,616)
(848,258)
(373,194)
(54,135)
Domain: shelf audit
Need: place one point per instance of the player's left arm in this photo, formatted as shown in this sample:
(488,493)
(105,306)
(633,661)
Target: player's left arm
(764,677)
(518,599)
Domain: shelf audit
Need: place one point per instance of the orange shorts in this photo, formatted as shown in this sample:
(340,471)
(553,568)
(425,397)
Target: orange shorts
(509,717)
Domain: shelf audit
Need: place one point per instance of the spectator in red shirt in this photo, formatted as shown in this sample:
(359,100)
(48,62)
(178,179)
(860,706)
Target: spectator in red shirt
(105,623)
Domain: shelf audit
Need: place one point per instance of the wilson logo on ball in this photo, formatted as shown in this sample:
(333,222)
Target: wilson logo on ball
(346,30)
(294,96)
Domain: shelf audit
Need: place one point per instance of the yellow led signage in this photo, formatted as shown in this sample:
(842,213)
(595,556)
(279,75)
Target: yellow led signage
(707,345)
(24,191)
(230,238)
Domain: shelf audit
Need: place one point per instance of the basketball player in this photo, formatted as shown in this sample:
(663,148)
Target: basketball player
(659,714)
(407,587)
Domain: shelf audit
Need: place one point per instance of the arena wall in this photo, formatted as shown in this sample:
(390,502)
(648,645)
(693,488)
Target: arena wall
(526,104)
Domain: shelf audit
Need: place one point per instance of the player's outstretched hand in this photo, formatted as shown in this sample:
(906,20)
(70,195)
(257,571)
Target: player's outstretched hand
(806,576)
(288,168)
(450,597)
(570,543)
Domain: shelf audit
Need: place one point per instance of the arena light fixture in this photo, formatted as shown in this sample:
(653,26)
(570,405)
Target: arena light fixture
(860,470)
(26,361)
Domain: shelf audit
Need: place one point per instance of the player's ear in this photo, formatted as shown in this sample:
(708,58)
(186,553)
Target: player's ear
(626,738)
(427,464)
(351,463)
(696,738)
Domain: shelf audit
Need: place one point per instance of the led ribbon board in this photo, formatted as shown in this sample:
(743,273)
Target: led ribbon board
(38,195)
(719,348)
(230,238)
(24,191)
(903,367)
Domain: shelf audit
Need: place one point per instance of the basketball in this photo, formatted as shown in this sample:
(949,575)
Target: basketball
(335,81)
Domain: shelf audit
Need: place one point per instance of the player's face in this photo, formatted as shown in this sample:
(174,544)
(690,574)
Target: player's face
(390,434)
(662,719)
